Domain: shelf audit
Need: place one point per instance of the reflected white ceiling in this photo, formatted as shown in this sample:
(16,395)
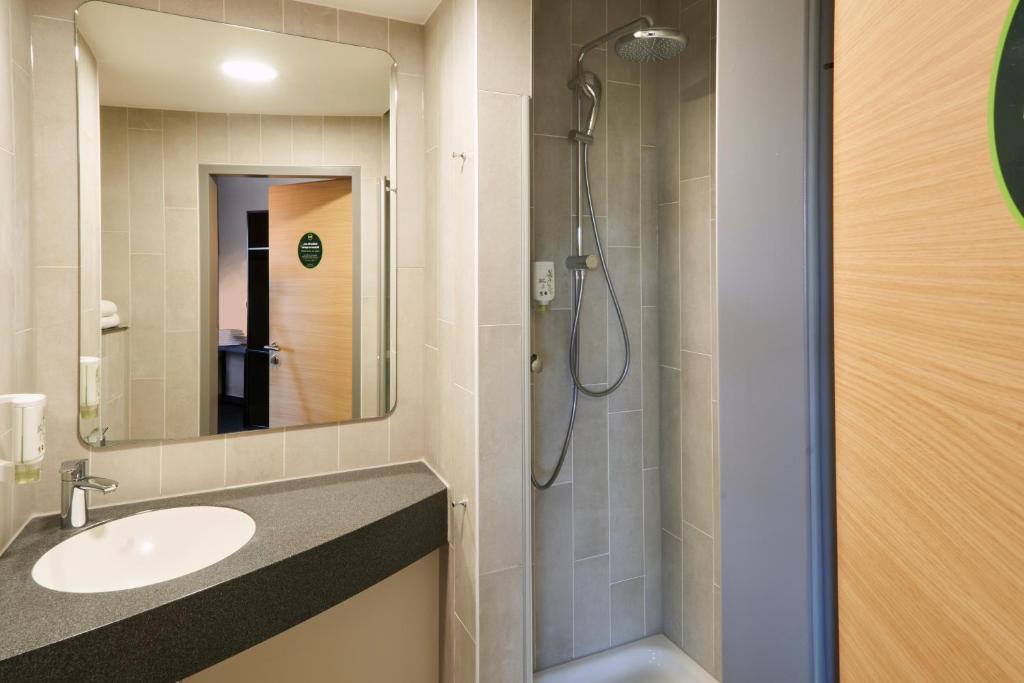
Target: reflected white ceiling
(162,61)
(416,11)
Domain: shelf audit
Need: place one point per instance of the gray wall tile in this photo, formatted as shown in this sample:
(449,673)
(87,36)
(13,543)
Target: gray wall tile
(627,611)
(698,597)
(591,606)
(553,576)
(626,493)
(590,479)
(695,428)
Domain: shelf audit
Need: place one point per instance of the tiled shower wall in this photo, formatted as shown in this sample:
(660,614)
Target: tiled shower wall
(597,542)
(626,540)
(17,317)
(684,111)
(153,469)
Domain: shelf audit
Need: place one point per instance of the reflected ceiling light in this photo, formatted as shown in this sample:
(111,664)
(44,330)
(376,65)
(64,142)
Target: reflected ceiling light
(248,71)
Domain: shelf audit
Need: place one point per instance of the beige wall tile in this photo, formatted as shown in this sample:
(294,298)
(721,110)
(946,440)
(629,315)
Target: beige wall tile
(200,9)
(362,29)
(145,119)
(114,168)
(54,144)
(501,626)
(505,32)
(252,458)
(407,424)
(411,201)
(464,562)
(212,138)
(182,382)
(116,264)
(364,444)
(188,466)
(21,34)
(146,190)
(136,470)
(502,163)
(311,450)
(405,43)
(265,14)
(275,139)
(181,284)
(147,303)
(501,447)
(180,157)
(6,92)
(56,296)
(308,140)
(147,409)
(337,140)
(313,21)
(244,138)
(366,149)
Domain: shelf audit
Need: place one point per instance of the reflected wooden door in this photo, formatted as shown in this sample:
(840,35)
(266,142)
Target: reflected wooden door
(929,350)
(311,304)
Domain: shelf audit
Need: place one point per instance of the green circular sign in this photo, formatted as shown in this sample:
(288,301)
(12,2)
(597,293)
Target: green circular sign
(311,250)
(1006,111)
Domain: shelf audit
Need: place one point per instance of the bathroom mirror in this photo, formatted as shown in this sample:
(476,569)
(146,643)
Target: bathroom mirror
(236,228)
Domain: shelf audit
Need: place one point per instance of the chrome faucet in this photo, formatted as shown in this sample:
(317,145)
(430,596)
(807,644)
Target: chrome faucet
(74,482)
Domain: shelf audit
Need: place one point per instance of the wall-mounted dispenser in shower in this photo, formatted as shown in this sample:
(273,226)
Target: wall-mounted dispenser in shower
(28,438)
(543,283)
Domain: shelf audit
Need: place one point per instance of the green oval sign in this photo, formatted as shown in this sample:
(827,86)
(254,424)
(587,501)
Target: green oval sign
(311,250)
(1006,112)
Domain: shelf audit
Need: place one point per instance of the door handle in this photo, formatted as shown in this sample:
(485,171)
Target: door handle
(274,348)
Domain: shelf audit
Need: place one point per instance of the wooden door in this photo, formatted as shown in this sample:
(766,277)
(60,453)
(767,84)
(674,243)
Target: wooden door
(311,303)
(929,350)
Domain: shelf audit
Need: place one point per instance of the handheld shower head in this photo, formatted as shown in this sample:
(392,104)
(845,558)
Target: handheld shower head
(650,44)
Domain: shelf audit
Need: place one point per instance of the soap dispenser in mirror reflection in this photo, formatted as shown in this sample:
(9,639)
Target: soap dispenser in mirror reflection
(543,283)
(29,437)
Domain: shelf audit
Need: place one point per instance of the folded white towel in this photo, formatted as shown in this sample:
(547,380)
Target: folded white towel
(108,321)
(107,308)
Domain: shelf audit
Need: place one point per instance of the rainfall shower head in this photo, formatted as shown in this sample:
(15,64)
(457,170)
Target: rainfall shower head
(650,44)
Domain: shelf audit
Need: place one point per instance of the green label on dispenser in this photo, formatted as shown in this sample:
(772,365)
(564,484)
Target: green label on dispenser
(311,250)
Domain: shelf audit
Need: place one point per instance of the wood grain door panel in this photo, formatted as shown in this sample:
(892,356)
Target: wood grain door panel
(311,310)
(929,350)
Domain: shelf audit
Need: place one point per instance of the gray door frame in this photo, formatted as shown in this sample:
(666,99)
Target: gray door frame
(775,366)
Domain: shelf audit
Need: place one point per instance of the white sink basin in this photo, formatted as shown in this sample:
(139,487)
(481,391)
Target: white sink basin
(143,549)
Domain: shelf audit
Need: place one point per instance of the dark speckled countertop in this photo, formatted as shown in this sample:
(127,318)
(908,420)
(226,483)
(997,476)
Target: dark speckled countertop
(318,541)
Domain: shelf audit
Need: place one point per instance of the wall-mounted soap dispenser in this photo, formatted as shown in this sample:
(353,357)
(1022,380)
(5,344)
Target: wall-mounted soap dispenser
(543,283)
(28,439)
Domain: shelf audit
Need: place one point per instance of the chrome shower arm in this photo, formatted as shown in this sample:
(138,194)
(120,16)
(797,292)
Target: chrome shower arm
(640,22)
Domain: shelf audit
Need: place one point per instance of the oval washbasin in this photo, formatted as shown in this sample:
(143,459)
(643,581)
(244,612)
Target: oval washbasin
(143,549)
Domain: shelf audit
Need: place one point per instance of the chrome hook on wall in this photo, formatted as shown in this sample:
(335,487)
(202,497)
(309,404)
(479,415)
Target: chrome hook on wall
(460,155)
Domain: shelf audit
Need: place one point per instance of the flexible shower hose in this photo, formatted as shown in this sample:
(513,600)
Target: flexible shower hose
(574,339)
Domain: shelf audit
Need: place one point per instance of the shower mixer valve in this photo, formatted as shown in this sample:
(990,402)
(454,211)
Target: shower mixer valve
(582,262)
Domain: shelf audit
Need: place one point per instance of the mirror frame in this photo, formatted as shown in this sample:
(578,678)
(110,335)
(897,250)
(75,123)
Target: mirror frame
(388,217)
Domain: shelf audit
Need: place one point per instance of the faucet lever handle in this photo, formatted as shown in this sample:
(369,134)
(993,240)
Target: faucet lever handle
(74,470)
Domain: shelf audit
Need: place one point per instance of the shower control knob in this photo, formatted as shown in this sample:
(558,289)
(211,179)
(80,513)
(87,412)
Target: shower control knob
(536,364)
